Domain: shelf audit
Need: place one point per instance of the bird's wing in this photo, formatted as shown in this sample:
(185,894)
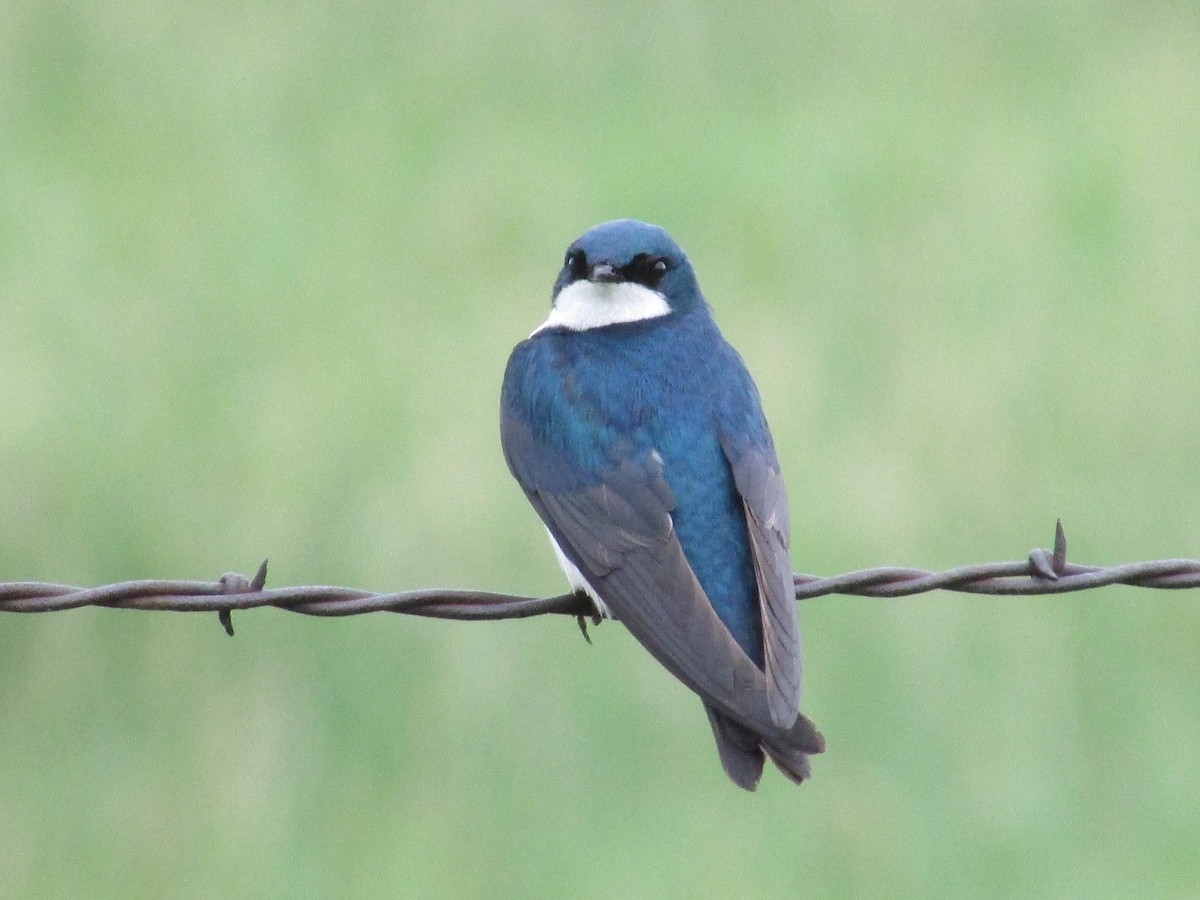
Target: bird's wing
(618,532)
(757,479)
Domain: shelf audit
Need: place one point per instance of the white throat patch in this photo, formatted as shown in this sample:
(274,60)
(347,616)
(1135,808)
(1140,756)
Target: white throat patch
(583,304)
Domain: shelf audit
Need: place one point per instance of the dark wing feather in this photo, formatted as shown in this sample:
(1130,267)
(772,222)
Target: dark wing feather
(757,479)
(620,535)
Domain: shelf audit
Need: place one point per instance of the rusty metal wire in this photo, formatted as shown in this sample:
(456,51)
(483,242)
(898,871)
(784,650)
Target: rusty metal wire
(1043,572)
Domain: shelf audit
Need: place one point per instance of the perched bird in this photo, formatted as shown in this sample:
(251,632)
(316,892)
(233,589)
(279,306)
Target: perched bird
(638,436)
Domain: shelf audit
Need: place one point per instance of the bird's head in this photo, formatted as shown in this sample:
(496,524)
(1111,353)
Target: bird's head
(622,271)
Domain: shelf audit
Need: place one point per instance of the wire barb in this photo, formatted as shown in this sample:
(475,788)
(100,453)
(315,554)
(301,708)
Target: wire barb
(1050,565)
(234,583)
(1043,572)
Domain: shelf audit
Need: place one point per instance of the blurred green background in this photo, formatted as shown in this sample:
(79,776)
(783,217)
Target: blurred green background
(261,265)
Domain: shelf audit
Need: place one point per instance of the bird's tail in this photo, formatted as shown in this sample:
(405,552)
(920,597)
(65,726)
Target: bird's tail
(739,748)
(791,754)
(742,750)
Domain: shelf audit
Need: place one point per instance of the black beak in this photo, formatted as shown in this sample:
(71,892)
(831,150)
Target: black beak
(605,273)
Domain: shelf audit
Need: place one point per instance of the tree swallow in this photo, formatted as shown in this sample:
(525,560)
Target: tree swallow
(637,434)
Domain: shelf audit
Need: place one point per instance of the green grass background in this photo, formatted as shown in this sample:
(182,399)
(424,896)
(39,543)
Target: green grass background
(261,265)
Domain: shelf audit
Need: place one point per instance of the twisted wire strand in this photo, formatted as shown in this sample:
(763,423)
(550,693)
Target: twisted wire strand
(1043,572)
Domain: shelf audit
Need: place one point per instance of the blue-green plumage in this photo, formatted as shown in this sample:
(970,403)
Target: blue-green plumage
(601,396)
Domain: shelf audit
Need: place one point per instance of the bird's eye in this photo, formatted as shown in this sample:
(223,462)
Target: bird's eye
(576,262)
(649,270)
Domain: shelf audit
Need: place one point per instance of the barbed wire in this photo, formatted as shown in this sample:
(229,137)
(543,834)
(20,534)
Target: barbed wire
(1043,572)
